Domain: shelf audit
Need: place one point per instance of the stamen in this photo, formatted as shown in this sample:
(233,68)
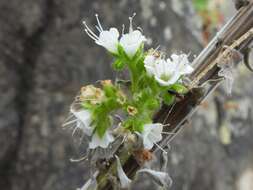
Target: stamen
(169,112)
(74,131)
(92,37)
(99,24)
(131,23)
(69,122)
(68,118)
(89,31)
(98,28)
(160,147)
(139,28)
(80,159)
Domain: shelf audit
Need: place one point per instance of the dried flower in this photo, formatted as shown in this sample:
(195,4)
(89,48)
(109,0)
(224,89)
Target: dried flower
(161,178)
(125,182)
(92,94)
(132,110)
(83,121)
(103,142)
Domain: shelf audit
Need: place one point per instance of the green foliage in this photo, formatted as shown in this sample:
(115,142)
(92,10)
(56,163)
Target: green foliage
(200,5)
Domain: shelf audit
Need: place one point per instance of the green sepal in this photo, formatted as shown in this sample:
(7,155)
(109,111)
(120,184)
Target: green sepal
(122,54)
(118,65)
(139,53)
(179,88)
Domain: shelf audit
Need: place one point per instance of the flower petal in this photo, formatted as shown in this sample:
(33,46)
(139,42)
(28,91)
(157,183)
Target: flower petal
(109,40)
(83,120)
(131,42)
(151,134)
(103,142)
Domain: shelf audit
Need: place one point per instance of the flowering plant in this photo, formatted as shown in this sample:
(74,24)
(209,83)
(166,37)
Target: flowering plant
(124,109)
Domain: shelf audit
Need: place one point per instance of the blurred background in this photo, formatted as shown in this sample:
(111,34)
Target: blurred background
(45,57)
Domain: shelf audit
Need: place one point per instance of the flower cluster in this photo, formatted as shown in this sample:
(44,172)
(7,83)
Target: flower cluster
(125,109)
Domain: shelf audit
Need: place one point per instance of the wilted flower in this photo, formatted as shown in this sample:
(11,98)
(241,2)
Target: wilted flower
(151,134)
(161,178)
(83,121)
(92,94)
(132,40)
(107,38)
(125,182)
(132,110)
(102,142)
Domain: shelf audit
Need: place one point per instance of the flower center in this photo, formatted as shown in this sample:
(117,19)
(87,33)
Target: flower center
(165,77)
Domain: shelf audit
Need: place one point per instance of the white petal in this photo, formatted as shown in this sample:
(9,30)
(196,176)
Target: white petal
(148,144)
(150,70)
(103,142)
(131,42)
(161,178)
(149,60)
(109,39)
(125,182)
(83,120)
(151,134)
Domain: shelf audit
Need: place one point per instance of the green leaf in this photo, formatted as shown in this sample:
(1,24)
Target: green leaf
(118,65)
(179,88)
(168,98)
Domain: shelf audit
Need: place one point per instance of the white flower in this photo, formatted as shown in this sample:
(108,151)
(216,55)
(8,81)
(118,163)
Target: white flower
(167,72)
(107,38)
(83,121)
(132,40)
(182,63)
(103,142)
(125,182)
(149,63)
(151,134)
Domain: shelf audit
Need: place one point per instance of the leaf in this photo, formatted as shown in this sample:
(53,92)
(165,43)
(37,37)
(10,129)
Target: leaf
(168,98)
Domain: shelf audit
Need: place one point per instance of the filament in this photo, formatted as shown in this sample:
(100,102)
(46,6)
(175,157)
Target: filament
(99,24)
